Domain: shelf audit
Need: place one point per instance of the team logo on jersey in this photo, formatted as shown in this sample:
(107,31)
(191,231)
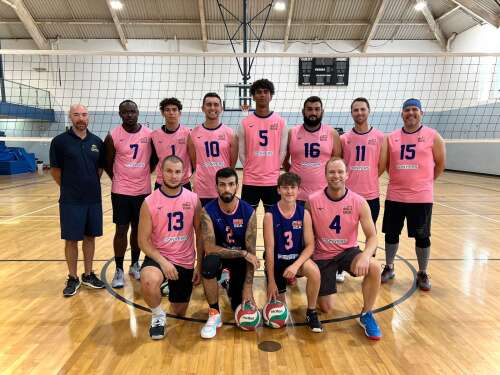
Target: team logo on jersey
(238,223)
(297,224)
(323,138)
(186,206)
(221,137)
(94,148)
(372,141)
(347,210)
(182,141)
(144,140)
(421,139)
(274,126)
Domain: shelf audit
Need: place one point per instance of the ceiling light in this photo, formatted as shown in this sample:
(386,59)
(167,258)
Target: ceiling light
(280,6)
(116,4)
(420,5)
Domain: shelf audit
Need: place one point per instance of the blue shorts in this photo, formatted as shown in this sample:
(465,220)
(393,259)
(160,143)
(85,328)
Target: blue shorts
(79,220)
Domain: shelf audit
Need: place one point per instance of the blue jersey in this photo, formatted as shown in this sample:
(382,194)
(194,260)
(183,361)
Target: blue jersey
(230,229)
(288,234)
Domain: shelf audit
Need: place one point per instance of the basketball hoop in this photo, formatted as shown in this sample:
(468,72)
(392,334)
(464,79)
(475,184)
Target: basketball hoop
(244,109)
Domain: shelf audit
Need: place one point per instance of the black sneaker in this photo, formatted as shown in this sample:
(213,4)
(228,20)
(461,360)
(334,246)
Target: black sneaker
(423,281)
(92,281)
(313,321)
(387,274)
(72,286)
(157,328)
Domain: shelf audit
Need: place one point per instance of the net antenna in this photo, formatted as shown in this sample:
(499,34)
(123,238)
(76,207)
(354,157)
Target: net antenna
(244,66)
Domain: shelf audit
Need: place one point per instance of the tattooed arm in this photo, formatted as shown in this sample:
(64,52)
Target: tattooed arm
(208,235)
(253,262)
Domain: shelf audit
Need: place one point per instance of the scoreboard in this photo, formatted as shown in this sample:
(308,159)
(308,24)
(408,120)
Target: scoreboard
(323,71)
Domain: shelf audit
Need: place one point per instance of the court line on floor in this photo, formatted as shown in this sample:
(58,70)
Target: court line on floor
(400,300)
(468,212)
(28,213)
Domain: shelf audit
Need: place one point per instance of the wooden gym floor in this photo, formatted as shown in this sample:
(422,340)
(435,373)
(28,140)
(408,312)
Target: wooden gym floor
(453,329)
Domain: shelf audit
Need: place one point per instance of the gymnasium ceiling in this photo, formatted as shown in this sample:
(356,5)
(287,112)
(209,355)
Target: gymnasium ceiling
(304,20)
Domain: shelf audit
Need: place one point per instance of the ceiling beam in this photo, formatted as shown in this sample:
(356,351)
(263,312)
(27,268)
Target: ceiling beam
(375,19)
(181,23)
(29,23)
(444,15)
(288,24)
(118,26)
(203,24)
(475,10)
(434,26)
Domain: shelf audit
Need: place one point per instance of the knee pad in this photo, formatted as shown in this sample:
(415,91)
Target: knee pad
(423,242)
(210,266)
(391,238)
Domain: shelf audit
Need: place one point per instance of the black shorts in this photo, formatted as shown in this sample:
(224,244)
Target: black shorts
(79,220)
(279,268)
(254,194)
(205,201)
(237,271)
(179,290)
(374,208)
(187,186)
(126,208)
(328,269)
(418,218)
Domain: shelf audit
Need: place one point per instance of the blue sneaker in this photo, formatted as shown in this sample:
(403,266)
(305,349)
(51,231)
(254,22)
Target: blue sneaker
(372,330)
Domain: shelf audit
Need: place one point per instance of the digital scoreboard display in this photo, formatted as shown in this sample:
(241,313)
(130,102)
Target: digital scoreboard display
(323,71)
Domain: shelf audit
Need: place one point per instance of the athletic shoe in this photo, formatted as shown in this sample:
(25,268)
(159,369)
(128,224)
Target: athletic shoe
(387,274)
(224,278)
(372,330)
(118,279)
(157,328)
(135,270)
(92,281)
(292,281)
(72,285)
(214,321)
(313,321)
(164,288)
(423,281)
(340,277)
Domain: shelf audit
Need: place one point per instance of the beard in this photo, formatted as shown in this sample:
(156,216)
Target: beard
(170,186)
(227,198)
(312,121)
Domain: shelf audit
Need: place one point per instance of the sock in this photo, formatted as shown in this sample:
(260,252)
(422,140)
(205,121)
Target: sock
(135,256)
(157,311)
(423,254)
(310,311)
(119,262)
(390,253)
(215,306)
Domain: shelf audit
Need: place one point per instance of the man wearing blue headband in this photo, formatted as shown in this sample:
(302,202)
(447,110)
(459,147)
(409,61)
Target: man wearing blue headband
(415,158)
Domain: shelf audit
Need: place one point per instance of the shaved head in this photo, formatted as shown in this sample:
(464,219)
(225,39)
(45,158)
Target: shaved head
(79,116)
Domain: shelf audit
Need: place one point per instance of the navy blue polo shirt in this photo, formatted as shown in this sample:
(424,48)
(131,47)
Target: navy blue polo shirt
(79,161)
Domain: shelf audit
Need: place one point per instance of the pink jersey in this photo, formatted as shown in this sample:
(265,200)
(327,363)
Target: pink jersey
(131,173)
(172,143)
(262,147)
(172,218)
(309,152)
(213,152)
(411,166)
(361,152)
(335,223)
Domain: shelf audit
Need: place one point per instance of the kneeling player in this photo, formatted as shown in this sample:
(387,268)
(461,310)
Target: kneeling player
(336,214)
(168,219)
(229,230)
(289,244)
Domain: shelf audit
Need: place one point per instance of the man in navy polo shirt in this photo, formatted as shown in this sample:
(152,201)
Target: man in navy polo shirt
(77,161)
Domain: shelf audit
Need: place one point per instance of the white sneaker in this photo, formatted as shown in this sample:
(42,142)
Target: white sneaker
(214,321)
(118,280)
(135,270)
(340,277)
(164,288)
